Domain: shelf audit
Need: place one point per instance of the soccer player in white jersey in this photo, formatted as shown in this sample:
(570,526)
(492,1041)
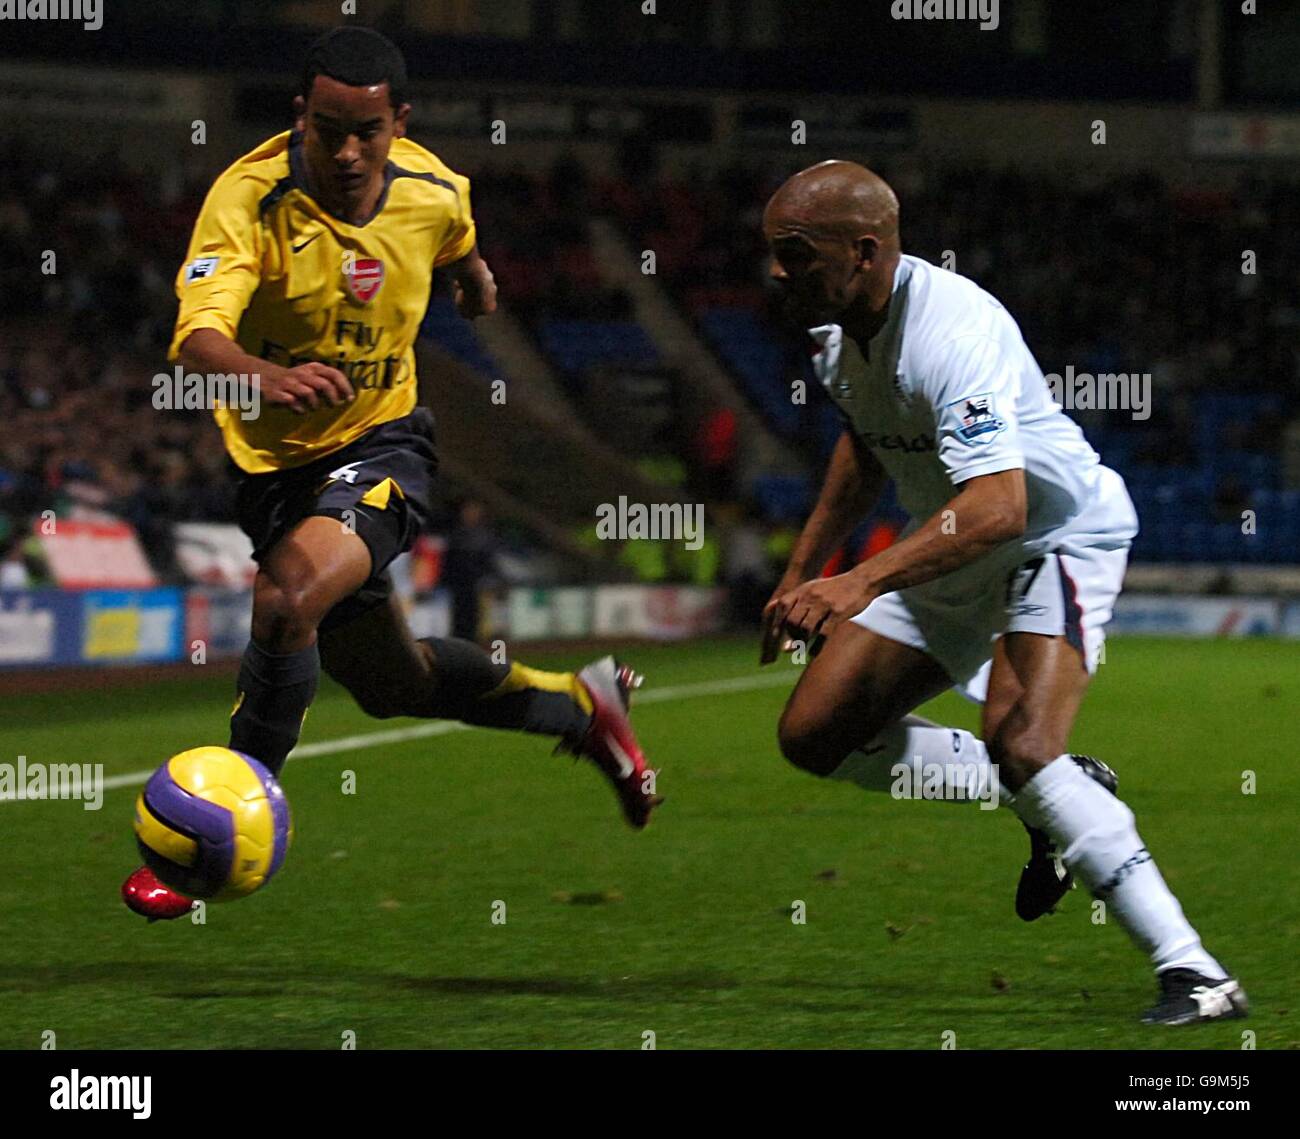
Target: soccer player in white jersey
(1001,584)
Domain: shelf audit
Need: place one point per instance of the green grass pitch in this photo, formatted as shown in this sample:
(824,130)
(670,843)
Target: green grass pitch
(380,923)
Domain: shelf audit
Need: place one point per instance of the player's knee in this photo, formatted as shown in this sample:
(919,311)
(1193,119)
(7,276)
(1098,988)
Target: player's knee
(805,747)
(284,616)
(1021,750)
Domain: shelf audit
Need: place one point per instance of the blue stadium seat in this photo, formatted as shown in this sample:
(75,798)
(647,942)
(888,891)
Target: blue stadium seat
(784,498)
(1226,543)
(761,365)
(1217,412)
(455,335)
(576,345)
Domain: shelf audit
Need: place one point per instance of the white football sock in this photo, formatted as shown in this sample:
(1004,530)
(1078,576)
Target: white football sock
(915,759)
(1099,842)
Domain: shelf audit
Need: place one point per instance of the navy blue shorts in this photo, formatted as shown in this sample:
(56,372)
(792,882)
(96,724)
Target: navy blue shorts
(380,485)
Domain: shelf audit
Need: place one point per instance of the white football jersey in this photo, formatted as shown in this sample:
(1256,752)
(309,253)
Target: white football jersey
(948,390)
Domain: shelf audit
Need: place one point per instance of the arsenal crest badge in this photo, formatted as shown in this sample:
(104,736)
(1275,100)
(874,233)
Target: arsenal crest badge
(365,276)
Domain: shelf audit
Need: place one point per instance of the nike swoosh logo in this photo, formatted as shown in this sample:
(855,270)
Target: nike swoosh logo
(300,248)
(626,767)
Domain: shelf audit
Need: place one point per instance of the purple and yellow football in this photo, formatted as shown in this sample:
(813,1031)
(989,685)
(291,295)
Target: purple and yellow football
(213,823)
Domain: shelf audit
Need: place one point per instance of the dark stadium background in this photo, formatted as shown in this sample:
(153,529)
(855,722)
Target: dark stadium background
(626,132)
(124,590)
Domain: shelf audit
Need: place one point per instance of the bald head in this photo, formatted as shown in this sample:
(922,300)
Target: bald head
(837,199)
(833,233)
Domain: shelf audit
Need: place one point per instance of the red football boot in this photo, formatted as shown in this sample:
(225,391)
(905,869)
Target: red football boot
(148,897)
(610,742)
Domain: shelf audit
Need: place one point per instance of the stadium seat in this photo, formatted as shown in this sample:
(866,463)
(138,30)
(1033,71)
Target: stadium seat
(749,350)
(576,345)
(784,498)
(455,335)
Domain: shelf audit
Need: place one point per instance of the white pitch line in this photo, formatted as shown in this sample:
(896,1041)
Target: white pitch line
(442,727)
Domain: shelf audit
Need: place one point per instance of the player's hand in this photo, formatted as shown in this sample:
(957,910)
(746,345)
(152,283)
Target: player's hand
(476,292)
(817,608)
(774,639)
(307,387)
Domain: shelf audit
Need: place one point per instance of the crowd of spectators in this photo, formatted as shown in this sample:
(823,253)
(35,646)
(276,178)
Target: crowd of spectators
(1129,274)
(1107,274)
(92,251)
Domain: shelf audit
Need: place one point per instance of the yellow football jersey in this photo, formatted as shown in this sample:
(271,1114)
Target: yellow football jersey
(268,267)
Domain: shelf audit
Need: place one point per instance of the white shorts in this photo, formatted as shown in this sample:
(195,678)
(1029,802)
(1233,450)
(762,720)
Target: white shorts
(1059,594)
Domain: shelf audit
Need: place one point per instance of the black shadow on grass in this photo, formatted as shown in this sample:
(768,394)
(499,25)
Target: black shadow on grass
(659,986)
(202,981)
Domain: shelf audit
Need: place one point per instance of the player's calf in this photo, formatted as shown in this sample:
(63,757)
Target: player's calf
(1045,879)
(278,675)
(436,678)
(304,575)
(452,679)
(274,692)
(464,682)
(1021,750)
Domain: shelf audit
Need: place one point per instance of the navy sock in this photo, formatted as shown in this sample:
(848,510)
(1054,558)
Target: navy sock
(469,686)
(275,691)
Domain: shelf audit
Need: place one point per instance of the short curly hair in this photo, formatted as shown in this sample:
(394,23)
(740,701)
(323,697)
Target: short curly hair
(359,57)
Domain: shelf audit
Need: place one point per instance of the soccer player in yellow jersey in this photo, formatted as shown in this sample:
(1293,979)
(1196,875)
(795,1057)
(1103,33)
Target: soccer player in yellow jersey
(310,268)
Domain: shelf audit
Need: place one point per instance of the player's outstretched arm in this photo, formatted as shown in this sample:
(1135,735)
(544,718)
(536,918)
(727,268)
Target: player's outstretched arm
(301,389)
(852,487)
(986,511)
